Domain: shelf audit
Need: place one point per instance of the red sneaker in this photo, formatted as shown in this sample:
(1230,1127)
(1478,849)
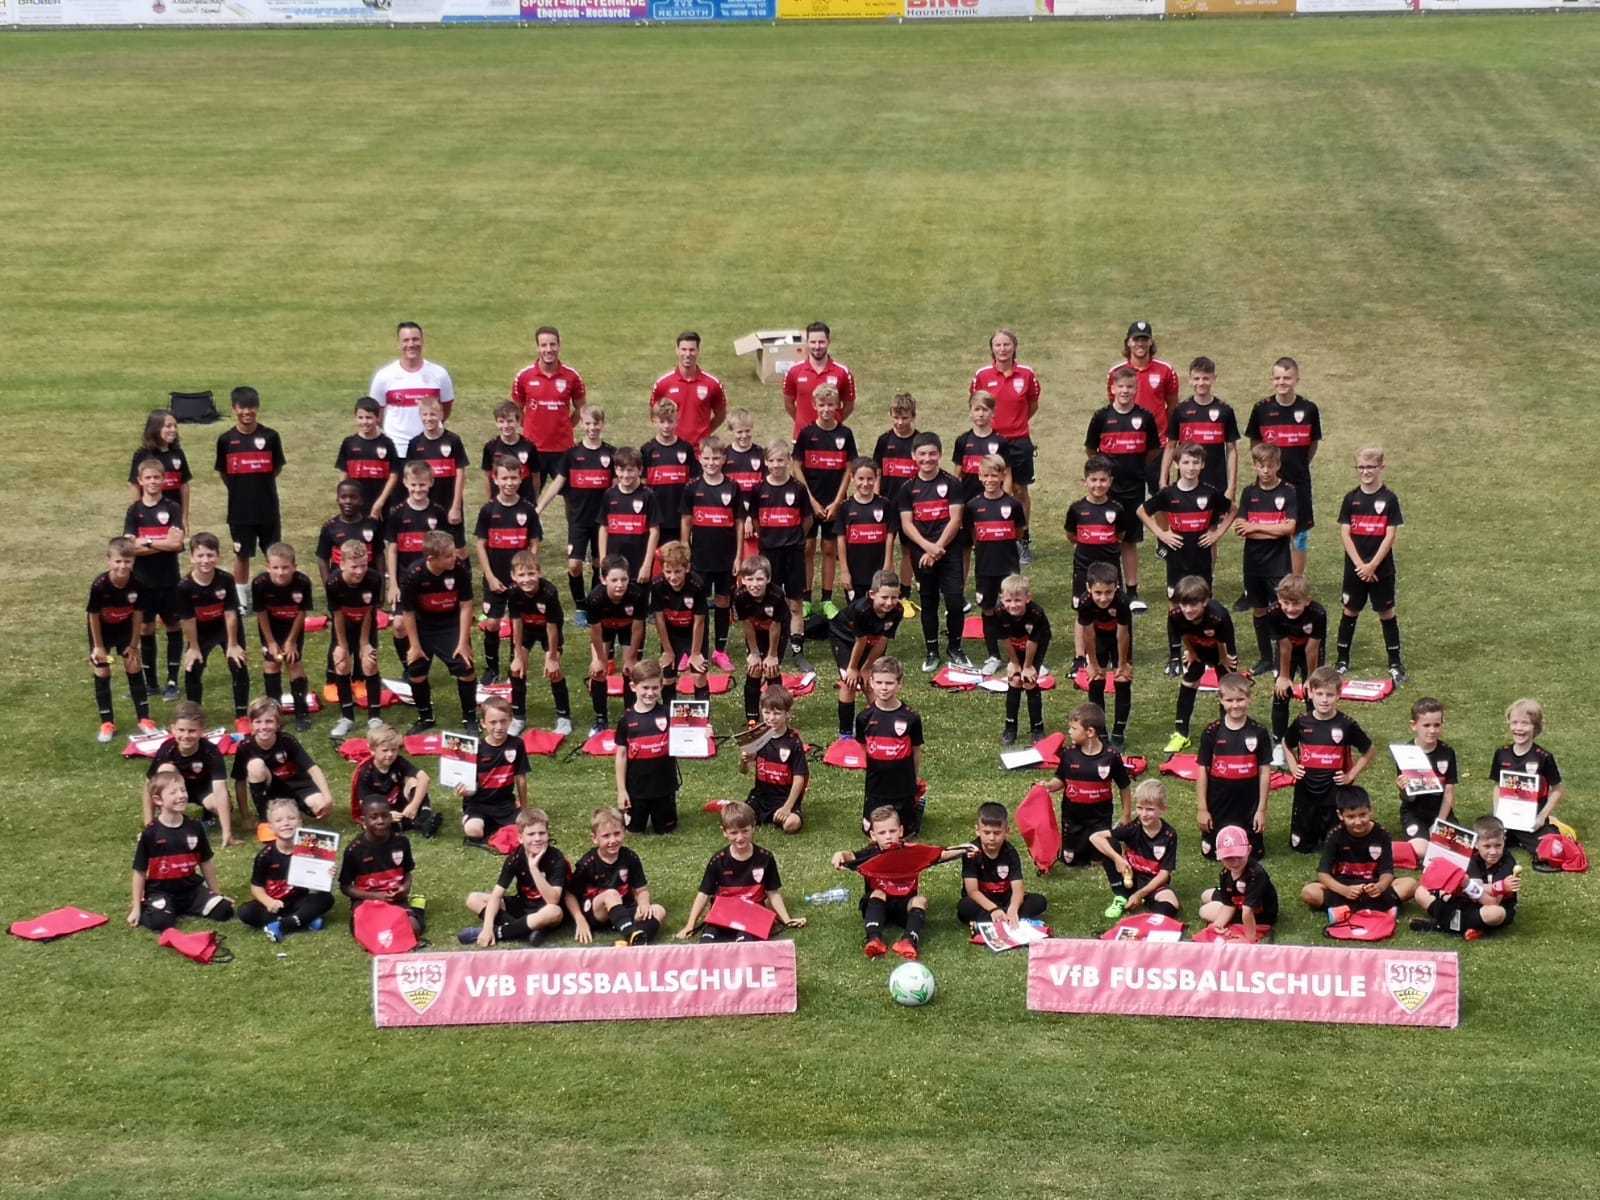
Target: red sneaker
(875,948)
(906,948)
(242,725)
(146,725)
(108,730)
(1472,935)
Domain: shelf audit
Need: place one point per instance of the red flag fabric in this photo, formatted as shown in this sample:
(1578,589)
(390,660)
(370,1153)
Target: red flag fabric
(896,870)
(1561,852)
(1040,826)
(60,922)
(1145,927)
(1405,856)
(541,741)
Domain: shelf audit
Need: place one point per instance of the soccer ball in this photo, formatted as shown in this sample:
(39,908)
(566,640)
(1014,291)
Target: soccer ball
(911,984)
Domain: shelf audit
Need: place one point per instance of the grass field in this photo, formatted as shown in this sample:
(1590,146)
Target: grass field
(1405,205)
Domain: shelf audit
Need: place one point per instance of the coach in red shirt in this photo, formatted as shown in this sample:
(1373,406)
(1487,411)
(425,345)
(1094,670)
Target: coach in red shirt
(818,369)
(550,394)
(1015,389)
(698,394)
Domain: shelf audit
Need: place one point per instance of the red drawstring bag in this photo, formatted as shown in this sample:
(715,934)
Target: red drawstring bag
(1363,925)
(1233,933)
(384,928)
(62,922)
(203,947)
(1557,852)
(505,839)
(742,916)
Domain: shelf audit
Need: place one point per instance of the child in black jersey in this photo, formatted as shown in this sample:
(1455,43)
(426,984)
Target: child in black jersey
(1244,892)
(780,518)
(631,518)
(782,774)
(997,526)
(1141,855)
(508,442)
(112,617)
(761,607)
(616,611)
(1266,520)
(608,889)
(529,897)
(536,620)
(895,466)
(161,442)
(1420,804)
(991,877)
(860,634)
(395,779)
(866,523)
(281,597)
(678,601)
(1299,628)
(249,459)
(713,515)
(1023,630)
(646,772)
(1106,617)
(1369,518)
(669,465)
(1357,867)
(823,451)
(506,526)
(155,525)
(1094,526)
(883,903)
(501,789)
(271,763)
(890,734)
(1326,751)
(583,478)
(446,457)
(404,531)
(275,907)
(1089,776)
(368,459)
(1525,770)
(199,764)
(1486,899)
(1126,436)
(350,523)
(1235,777)
(377,866)
(436,610)
(173,872)
(930,521)
(741,869)
(208,612)
(354,591)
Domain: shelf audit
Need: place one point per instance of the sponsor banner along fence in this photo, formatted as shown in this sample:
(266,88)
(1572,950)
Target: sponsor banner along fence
(1365,986)
(494,987)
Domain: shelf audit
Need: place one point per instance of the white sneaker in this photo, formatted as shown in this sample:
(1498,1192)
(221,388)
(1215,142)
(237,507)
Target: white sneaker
(1137,605)
(1279,759)
(341,728)
(374,723)
(563,726)
(990,666)
(516,727)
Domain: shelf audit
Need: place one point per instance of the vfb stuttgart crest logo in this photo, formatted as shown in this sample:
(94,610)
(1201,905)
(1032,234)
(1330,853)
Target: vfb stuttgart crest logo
(420,983)
(1410,981)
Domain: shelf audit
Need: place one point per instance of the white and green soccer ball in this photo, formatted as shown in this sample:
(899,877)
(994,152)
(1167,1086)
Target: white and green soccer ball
(911,984)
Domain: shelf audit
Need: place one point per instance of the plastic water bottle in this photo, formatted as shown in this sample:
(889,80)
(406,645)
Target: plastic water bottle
(834,895)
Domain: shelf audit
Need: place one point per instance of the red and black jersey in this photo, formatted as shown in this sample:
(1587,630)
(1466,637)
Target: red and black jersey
(651,770)
(629,518)
(895,464)
(370,462)
(336,531)
(994,875)
(1484,873)
(824,455)
(764,612)
(1030,625)
(1106,621)
(593,875)
(777,765)
(750,878)
(174,470)
(1294,428)
(169,856)
(929,501)
(1252,890)
(200,771)
(1210,631)
(587,471)
(516,875)
(1310,626)
(498,767)
(1325,747)
(1156,389)
(406,527)
(249,464)
(1091,778)
(208,604)
(867,529)
(355,601)
(389,784)
(1147,853)
(968,453)
(505,530)
(747,468)
(997,526)
(524,454)
(538,609)
(668,468)
(270,873)
(1535,761)
(1442,758)
(281,602)
(1127,439)
(679,606)
(1353,860)
(861,620)
(1262,506)
(435,600)
(1233,760)
(377,866)
(895,889)
(115,606)
(285,759)
(159,570)
(617,616)
(780,511)
(1190,513)
(1211,426)
(1095,531)
(1370,516)
(714,511)
(890,738)
(446,457)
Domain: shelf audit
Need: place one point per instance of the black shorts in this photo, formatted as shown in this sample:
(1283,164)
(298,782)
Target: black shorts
(659,811)
(256,535)
(896,909)
(1297,663)
(1130,496)
(1358,593)
(217,639)
(988,590)
(1261,590)
(583,541)
(117,638)
(1105,650)
(1019,453)
(535,635)
(1078,822)
(1178,567)
(945,577)
(1365,903)
(551,462)
(494,817)
(513,906)
(765,805)
(788,569)
(1418,815)
(158,602)
(679,642)
(717,583)
(1018,651)
(494,604)
(441,644)
(823,531)
(769,640)
(280,633)
(298,790)
(1201,657)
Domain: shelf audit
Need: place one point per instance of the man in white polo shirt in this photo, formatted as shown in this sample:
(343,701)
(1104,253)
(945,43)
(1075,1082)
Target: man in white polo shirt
(400,386)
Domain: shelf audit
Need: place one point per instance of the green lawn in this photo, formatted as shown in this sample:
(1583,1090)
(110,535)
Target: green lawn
(1405,205)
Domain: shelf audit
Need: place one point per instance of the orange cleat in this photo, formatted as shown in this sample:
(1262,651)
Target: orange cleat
(108,730)
(146,725)
(875,948)
(906,949)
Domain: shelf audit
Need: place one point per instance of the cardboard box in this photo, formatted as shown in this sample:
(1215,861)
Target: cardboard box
(776,350)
